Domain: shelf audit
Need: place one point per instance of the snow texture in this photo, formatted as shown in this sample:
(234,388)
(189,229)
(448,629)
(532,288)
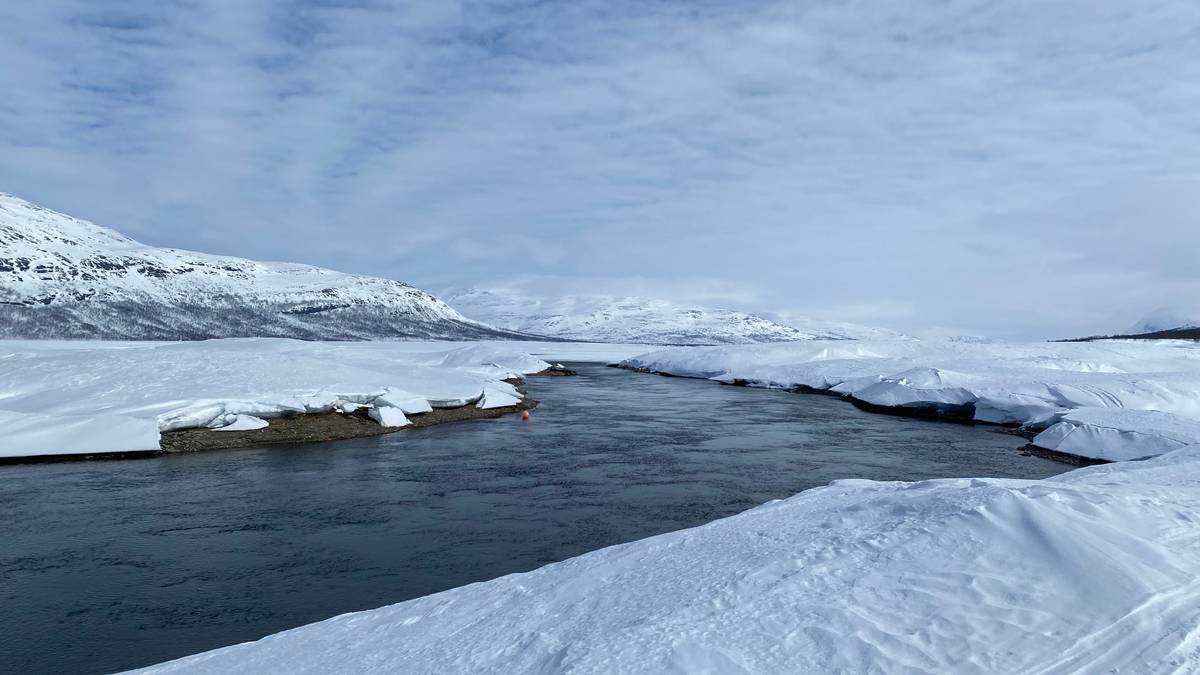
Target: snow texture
(1092,571)
(88,397)
(636,320)
(61,277)
(1109,400)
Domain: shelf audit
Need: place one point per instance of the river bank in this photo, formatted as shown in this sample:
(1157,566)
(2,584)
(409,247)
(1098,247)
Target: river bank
(96,400)
(121,564)
(880,560)
(1081,402)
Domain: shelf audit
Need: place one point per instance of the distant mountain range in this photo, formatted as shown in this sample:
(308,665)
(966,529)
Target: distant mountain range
(636,320)
(1164,324)
(61,277)
(1174,322)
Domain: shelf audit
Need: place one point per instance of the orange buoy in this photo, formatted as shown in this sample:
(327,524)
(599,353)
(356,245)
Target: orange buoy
(524,415)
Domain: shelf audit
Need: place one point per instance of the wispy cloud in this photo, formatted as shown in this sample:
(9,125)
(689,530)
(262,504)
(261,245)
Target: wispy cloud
(1010,168)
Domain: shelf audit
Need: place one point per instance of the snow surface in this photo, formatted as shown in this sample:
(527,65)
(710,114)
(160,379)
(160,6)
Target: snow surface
(598,318)
(61,277)
(1140,399)
(1092,571)
(31,434)
(1118,434)
(86,397)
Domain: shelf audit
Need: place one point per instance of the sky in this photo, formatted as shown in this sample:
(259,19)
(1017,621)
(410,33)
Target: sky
(1023,169)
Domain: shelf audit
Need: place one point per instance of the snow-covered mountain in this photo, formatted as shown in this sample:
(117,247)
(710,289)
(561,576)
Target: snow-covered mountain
(1166,320)
(61,277)
(636,320)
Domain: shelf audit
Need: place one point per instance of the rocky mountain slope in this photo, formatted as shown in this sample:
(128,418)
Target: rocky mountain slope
(61,277)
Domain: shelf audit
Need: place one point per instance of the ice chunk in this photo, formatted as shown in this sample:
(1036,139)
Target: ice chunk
(495,397)
(389,417)
(408,402)
(244,423)
(1117,434)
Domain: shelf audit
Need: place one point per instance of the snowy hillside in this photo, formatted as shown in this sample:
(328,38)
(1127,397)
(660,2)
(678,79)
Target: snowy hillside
(69,278)
(635,320)
(1166,320)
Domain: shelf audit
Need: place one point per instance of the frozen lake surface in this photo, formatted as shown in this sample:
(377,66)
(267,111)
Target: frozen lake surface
(117,564)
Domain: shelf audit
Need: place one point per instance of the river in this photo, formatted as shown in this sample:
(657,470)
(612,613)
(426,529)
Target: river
(110,565)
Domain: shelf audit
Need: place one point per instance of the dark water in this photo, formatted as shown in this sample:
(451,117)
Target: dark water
(112,565)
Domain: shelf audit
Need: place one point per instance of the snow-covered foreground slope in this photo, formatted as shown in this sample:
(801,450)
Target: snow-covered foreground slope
(61,277)
(1076,391)
(635,320)
(93,397)
(1093,571)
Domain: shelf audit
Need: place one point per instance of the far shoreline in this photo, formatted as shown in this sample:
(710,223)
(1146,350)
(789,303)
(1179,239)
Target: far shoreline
(963,415)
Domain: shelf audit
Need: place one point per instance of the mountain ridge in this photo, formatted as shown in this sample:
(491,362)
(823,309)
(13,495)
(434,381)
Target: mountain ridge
(63,277)
(600,318)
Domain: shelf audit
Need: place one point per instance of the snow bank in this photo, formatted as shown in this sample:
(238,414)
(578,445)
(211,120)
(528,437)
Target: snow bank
(1117,434)
(23,434)
(1141,399)
(1091,571)
(87,397)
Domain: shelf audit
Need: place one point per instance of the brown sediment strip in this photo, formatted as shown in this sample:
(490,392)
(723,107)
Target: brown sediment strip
(304,428)
(334,426)
(290,430)
(321,427)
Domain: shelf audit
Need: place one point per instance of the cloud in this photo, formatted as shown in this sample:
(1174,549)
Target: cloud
(1016,169)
